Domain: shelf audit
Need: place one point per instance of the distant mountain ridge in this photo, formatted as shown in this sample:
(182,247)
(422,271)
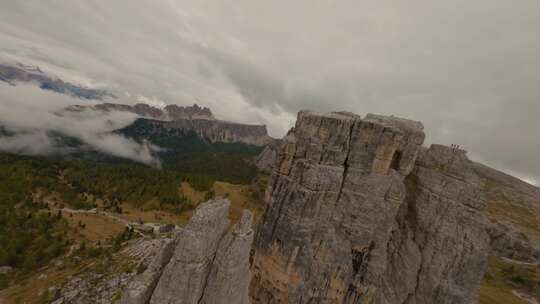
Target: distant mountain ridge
(176,120)
(19,73)
(167,113)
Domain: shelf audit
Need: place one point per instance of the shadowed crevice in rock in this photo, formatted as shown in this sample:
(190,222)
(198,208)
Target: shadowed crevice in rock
(205,284)
(345,164)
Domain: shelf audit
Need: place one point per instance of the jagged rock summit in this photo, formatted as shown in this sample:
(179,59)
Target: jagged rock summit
(359,212)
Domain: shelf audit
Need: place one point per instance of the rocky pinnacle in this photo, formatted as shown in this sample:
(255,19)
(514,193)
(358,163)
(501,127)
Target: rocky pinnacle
(359,212)
(207,263)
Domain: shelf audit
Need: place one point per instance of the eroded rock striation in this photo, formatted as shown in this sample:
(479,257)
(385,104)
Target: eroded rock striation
(359,212)
(206,263)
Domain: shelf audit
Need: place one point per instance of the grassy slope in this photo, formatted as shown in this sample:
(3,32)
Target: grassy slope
(100,228)
(507,203)
(503,277)
(136,192)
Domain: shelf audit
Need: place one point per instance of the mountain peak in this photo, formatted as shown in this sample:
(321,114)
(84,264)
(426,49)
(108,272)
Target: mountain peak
(168,113)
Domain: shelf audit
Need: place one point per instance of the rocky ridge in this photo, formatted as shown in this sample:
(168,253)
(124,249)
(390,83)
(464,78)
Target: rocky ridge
(178,120)
(225,131)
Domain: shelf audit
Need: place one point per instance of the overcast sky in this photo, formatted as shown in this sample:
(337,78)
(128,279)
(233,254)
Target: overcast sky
(469,70)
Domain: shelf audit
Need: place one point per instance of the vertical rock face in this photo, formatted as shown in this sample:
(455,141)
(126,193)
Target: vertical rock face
(438,250)
(206,263)
(180,120)
(185,277)
(358,212)
(228,281)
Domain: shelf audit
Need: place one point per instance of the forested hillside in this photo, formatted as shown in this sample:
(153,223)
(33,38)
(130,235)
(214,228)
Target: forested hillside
(30,235)
(187,152)
(34,191)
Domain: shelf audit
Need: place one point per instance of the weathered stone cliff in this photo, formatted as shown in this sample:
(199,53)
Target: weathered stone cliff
(206,263)
(223,131)
(438,251)
(358,212)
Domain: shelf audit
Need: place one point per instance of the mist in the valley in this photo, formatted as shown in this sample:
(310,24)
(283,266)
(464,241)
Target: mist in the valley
(469,70)
(34,116)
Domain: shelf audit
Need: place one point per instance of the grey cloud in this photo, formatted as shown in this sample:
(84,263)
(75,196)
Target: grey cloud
(33,143)
(468,70)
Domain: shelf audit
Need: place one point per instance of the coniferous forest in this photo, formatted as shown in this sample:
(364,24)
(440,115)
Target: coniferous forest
(31,234)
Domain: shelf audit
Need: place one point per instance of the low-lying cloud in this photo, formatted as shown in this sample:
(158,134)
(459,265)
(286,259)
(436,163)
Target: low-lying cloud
(468,69)
(34,116)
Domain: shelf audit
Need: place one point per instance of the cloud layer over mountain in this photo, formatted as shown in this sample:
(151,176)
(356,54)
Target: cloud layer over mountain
(34,116)
(468,69)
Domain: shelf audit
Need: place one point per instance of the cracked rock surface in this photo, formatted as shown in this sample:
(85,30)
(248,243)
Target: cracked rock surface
(358,212)
(206,263)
